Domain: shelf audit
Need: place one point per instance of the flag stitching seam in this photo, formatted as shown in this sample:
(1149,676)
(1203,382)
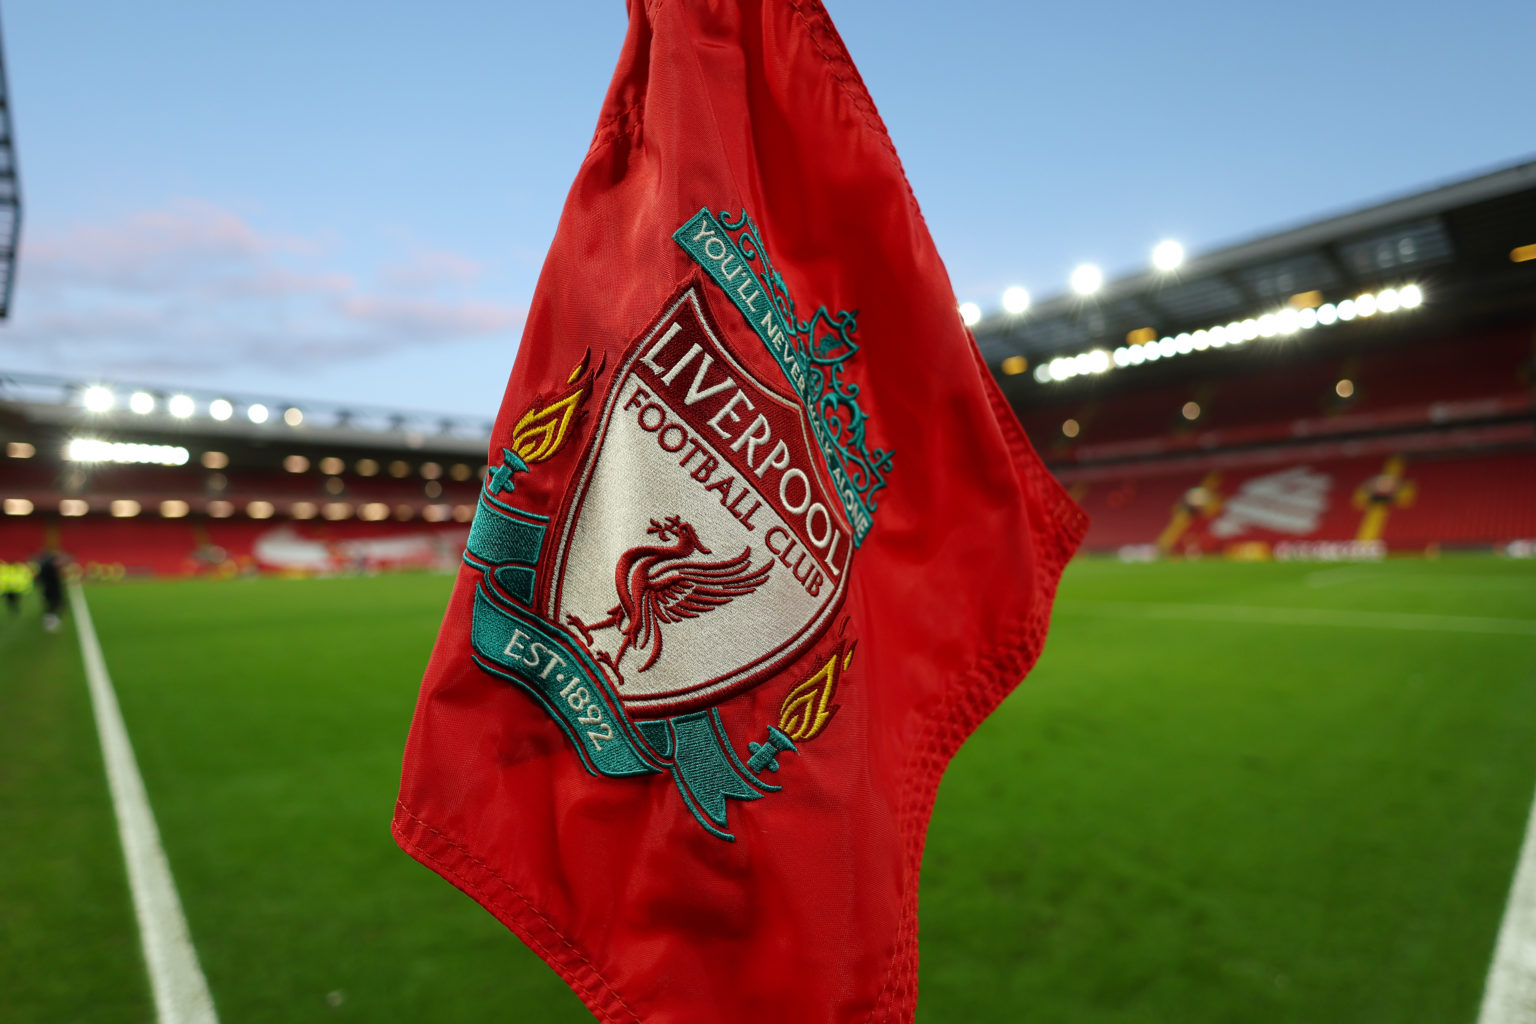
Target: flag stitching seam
(856,91)
(569,945)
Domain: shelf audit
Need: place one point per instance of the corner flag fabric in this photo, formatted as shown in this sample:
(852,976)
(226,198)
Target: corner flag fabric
(761,544)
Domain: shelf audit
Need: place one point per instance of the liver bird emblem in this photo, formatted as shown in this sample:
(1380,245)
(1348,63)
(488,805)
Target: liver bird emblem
(662,583)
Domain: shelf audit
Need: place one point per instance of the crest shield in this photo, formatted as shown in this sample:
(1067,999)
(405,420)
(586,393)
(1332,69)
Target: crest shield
(701,548)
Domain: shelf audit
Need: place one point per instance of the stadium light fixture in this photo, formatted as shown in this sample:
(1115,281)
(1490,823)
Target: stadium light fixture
(259,509)
(1522,254)
(215,460)
(1282,322)
(293,416)
(1344,388)
(181,406)
(1015,300)
(257,413)
(142,402)
(1087,279)
(18,507)
(125,508)
(174,508)
(1168,255)
(970,314)
(83,449)
(97,399)
(220,409)
(221,509)
(1012,366)
(19,450)
(74,507)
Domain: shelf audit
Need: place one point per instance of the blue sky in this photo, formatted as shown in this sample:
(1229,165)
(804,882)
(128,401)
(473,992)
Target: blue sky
(351,201)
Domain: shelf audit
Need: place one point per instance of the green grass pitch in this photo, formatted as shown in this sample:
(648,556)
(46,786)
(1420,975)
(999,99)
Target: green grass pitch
(1254,792)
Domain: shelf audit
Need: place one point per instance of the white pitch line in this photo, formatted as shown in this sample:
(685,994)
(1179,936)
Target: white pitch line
(1509,995)
(1411,622)
(175,979)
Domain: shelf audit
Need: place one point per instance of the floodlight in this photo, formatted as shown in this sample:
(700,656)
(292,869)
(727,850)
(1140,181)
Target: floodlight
(1043,373)
(97,399)
(1365,305)
(970,314)
(220,409)
(1168,255)
(1388,300)
(1306,318)
(1087,279)
(141,402)
(1098,361)
(181,406)
(1347,309)
(293,416)
(1327,313)
(257,413)
(1015,300)
(1410,296)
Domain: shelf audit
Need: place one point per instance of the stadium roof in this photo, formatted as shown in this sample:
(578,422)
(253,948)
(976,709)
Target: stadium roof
(10,198)
(1469,245)
(128,410)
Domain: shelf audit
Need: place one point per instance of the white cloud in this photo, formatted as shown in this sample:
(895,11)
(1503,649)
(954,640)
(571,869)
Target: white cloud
(193,286)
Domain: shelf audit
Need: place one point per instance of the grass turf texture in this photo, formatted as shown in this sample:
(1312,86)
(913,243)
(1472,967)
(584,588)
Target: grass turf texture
(1173,819)
(69,950)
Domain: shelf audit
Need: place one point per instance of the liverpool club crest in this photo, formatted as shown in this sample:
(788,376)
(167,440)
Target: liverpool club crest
(702,546)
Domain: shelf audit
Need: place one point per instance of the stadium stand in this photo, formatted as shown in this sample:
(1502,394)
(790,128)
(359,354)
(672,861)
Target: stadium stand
(329,491)
(1359,399)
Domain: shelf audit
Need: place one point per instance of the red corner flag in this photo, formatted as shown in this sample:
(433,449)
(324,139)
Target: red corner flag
(761,545)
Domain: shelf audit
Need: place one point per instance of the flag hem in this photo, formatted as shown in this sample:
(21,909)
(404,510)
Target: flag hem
(452,860)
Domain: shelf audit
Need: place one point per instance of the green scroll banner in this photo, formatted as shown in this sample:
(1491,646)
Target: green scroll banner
(517,645)
(511,642)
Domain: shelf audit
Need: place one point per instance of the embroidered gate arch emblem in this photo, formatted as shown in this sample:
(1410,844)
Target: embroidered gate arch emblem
(701,548)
